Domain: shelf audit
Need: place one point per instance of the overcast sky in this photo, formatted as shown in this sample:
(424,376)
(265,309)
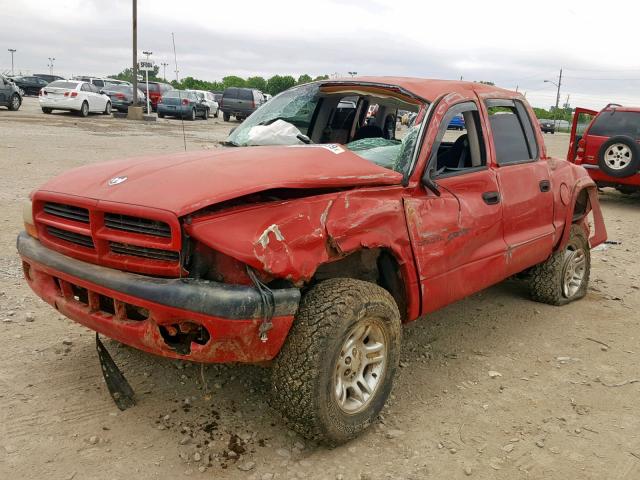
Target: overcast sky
(514,44)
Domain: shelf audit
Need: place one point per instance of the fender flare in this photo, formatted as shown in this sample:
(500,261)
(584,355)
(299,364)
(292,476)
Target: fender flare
(599,234)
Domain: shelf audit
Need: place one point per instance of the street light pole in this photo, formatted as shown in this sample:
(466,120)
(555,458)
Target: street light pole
(12,50)
(164,70)
(147,70)
(555,112)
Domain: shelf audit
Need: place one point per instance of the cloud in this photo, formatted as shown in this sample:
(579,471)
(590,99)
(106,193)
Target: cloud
(475,40)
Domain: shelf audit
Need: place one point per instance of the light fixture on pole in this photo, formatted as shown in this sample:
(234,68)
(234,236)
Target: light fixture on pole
(12,50)
(164,70)
(353,74)
(147,67)
(555,112)
(51,60)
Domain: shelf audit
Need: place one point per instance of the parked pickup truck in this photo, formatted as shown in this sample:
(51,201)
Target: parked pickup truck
(313,238)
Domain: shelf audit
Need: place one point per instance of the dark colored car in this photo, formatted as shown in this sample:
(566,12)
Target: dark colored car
(48,78)
(184,104)
(9,94)
(217,97)
(606,143)
(156,91)
(30,85)
(547,126)
(122,97)
(240,102)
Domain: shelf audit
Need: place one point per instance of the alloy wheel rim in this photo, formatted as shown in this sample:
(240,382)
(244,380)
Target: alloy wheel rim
(618,156)
(360,366)
(16,102)
(575,267)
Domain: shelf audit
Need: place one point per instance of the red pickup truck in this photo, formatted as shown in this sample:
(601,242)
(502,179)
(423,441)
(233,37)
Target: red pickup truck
(315,235)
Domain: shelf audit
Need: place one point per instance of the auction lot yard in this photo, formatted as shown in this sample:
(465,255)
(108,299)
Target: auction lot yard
(565,405)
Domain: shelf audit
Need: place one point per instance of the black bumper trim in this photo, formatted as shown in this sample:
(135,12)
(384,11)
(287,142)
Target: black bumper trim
(202,296)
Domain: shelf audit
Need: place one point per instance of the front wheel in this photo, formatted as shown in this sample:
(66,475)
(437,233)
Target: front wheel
(47,110)
(335,371)
(564,276)
(107,109)
(192,116)
(206,114)
(15,102)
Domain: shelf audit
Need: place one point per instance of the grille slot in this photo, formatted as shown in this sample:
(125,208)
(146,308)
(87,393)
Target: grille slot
(77,214)
(144,226)
(72,237)
(144,252)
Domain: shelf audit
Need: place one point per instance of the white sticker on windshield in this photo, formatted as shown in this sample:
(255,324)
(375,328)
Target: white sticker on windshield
(332,147)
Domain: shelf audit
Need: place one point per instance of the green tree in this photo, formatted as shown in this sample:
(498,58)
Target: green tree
(127,75)
(321,77)
(278,83)
(304,79)
(233,81)
(259,83)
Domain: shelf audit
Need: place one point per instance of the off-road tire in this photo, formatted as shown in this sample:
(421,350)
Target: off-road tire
(303,373)
(14,102)
(107,109)
(226,116)
(84,110)
(47,110)
(634,162)
(546,279)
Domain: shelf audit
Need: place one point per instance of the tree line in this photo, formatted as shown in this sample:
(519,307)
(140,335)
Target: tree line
(272,85)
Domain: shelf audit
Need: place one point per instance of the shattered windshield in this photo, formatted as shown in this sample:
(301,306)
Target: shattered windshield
(369,123)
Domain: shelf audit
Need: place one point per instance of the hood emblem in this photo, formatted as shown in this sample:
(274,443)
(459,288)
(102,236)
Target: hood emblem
(116,181)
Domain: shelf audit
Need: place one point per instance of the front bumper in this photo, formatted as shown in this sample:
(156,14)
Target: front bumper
(159,315)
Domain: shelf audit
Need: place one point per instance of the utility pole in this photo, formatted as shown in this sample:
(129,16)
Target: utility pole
(164,70)
(12,50)
(555,112)
(51,60)
(135,53)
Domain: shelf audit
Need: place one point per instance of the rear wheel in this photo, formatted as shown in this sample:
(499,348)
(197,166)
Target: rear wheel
(160,115)
(84,110)
(205,116)
(215,115)
(619,156)
(226,117)
(15,102)
(335,371)
(192,117)
(563,277)
(626,190)
(47,110)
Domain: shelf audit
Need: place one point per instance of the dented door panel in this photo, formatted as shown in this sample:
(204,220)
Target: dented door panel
(457,237)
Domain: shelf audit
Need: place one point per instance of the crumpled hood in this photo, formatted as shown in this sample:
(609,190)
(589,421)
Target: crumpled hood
(186,182)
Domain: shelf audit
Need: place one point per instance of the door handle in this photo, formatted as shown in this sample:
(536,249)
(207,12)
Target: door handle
(545,186)
(491,198)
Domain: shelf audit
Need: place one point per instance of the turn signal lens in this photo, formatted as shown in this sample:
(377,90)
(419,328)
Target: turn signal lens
(27,218)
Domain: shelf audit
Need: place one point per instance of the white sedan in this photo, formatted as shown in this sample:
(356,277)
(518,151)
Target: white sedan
(74,95)
(210,100)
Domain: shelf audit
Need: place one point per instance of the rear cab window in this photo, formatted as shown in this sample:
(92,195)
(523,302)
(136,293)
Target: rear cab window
(513,135)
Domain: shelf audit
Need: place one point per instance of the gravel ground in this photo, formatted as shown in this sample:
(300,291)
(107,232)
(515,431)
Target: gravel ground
(561,401)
